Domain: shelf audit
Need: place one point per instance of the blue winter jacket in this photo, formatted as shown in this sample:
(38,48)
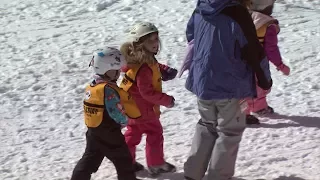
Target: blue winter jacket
(224,63)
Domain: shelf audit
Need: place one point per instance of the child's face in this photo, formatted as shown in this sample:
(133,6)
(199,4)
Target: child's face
(113,74)
(152,43)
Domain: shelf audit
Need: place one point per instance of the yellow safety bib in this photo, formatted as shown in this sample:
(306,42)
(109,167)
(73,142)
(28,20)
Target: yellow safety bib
(261,32)
(130,77)
(94,104)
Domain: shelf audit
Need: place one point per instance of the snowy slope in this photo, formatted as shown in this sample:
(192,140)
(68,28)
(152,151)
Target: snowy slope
(45,47)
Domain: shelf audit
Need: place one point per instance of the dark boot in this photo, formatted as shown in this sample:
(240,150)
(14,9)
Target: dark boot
(165,168)
(250,119)
(138,167)
(268,110)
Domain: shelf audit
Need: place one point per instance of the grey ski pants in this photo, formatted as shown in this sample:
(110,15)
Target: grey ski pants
(216,140)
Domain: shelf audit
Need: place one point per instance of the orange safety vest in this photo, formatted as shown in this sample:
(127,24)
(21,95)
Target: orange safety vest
(130,77)
(94,104)
(261,32)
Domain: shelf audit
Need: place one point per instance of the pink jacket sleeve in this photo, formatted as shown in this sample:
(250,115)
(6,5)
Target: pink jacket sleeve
(144,84)
(271,45)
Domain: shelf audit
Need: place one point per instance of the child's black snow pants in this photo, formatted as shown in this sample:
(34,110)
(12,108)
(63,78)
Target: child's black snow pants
(103,143)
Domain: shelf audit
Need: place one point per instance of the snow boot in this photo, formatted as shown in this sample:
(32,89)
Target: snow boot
(165,168)
(250,119)
(138,167)
(268,110)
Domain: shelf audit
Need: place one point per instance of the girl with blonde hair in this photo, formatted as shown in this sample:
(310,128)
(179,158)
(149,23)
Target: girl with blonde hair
(143,80)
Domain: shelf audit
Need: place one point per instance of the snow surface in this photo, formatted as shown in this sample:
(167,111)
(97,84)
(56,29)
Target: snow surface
(45,49)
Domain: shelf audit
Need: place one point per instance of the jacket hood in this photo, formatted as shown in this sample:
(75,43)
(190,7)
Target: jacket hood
(260,19)
(211,8)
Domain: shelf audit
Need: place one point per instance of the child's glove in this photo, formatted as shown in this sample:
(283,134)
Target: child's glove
(168,73)
(284,69)
(172,103)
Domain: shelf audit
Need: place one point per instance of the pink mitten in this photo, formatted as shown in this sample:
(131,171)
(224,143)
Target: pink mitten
(284,69)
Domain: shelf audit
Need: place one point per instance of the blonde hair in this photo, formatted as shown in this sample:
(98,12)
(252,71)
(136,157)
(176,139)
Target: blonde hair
(135,53)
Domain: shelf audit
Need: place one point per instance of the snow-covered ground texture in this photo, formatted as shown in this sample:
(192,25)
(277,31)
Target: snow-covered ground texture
(45,49)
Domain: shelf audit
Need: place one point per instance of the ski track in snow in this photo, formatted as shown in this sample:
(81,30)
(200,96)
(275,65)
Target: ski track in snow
(45,49)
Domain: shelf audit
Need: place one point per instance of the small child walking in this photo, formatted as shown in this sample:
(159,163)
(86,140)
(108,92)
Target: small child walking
(143,80)
(267,30)
(104,115)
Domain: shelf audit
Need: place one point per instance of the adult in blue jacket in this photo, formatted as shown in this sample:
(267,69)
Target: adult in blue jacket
(227,60)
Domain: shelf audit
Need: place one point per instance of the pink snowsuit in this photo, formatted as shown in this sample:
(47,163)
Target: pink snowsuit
(271,49)
(149,123)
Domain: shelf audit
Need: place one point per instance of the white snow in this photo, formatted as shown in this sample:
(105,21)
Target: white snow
(45,49)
